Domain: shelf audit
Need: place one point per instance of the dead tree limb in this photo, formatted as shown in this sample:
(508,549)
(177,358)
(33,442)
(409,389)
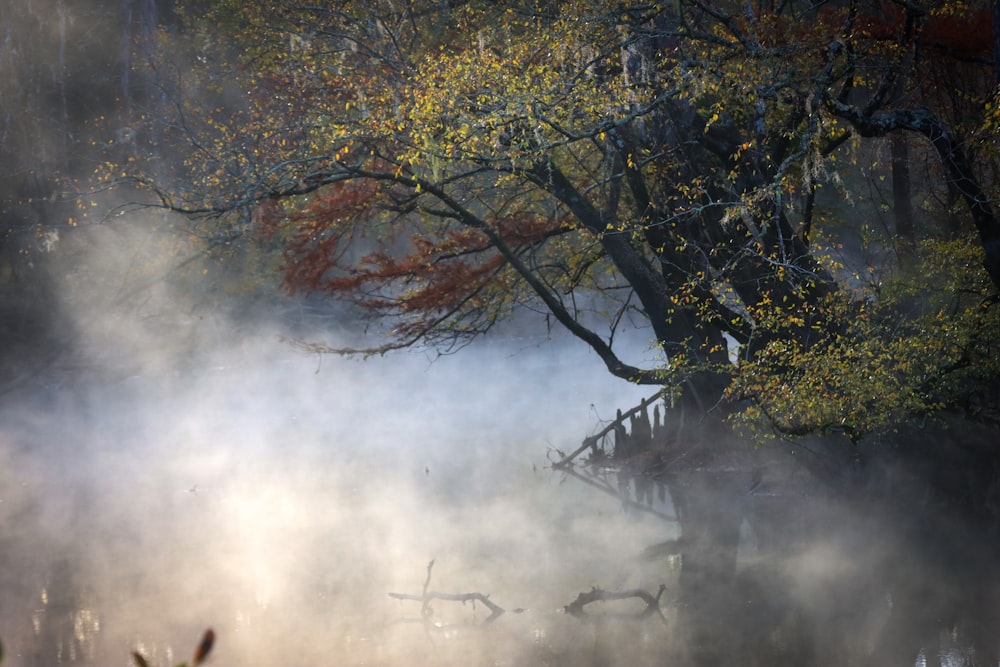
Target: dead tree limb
(425,598)
(576,608)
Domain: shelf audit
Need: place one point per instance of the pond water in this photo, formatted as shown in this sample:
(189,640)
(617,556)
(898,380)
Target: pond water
(280,499)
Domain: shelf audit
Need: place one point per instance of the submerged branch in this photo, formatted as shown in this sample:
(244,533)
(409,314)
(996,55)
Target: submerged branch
(425,598)
(576,608)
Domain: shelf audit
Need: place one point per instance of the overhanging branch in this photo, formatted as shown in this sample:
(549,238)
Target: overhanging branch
(614,364)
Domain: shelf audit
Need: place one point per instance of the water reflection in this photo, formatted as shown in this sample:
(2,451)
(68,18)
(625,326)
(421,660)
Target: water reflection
(290,546)
(842,593)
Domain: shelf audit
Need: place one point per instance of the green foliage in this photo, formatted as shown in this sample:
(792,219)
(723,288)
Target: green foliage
(443,166)
(911,345)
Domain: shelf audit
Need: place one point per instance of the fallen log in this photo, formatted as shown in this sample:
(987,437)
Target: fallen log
(427,596)
(576,608)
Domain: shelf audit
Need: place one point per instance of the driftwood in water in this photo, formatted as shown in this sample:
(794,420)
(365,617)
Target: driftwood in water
(576,607)
(427,596)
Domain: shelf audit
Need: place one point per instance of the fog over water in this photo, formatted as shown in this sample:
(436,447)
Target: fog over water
(279,496)
(174,470)
(166,469)
(173,463)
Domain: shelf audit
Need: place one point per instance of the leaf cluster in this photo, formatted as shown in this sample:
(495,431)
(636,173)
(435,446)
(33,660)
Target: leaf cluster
(444,166)
(911,345)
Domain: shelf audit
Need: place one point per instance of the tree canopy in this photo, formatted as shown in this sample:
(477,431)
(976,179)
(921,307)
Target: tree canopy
(696,166)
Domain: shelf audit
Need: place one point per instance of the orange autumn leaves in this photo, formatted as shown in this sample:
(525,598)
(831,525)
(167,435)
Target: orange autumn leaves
(346,240)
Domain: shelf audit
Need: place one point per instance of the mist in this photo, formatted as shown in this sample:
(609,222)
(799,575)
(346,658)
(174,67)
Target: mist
(172,459)
(180,463)
(161,483)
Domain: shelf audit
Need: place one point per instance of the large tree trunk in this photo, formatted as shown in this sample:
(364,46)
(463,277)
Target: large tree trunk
(708,490)
(708,507)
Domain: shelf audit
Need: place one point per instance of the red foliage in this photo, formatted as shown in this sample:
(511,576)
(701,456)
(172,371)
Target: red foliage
(411,270)
(967,34)
(522,228)
(340,202)
(962,34)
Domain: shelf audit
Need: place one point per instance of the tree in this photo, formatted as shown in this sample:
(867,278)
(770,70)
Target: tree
(443,165)
(686,164)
